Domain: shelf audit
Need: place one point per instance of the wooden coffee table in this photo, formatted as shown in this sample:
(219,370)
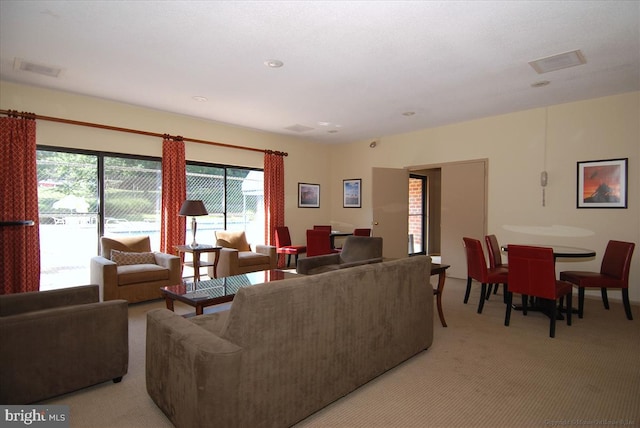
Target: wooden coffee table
(201,294)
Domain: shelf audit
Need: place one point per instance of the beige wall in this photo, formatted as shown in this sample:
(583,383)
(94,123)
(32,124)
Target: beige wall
(514,143)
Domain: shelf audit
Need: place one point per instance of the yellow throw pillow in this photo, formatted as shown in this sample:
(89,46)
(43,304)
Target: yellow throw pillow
(237,240)
(123,258)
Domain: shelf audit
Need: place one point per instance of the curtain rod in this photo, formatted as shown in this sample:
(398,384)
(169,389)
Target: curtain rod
(25,115)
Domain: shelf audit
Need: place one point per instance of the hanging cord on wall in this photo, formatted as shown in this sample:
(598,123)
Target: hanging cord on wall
(543,175)
(15,113)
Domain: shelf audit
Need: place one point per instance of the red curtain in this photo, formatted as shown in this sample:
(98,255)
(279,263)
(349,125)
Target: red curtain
(19,244)
(273,198)
(174,192)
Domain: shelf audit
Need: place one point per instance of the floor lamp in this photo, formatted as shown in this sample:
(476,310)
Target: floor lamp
(193,208)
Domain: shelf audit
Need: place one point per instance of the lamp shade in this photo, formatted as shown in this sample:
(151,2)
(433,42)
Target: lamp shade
(193,208)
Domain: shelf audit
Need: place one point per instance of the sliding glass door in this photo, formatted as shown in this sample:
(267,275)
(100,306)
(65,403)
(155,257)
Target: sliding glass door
(68,205)
(84,195)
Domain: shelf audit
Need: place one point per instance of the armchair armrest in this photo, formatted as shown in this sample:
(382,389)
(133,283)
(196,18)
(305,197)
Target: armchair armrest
(270,251)
(171,262)
(227,263)
(104,272)
(13,304)
(308,263)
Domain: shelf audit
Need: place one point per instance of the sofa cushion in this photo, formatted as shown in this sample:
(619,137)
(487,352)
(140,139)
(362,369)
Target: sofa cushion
(248,258)
(124,258)
(133,274)
(237,240)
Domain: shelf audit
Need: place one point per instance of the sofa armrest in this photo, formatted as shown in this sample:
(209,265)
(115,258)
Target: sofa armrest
(104,272)
(360,262)
(307,264)
(188,368)
(54,351)
(12,304)
(270,251)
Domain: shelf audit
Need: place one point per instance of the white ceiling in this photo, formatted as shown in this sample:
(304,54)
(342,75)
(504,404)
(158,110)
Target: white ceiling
(349,66)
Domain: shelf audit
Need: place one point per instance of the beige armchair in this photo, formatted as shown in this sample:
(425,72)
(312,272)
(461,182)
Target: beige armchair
(58,341)
(127,269)
(236,256)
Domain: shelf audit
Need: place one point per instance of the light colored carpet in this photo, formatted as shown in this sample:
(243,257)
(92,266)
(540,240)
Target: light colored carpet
(478,373)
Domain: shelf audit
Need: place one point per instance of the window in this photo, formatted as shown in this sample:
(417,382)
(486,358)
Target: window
(83,195)
(417,220)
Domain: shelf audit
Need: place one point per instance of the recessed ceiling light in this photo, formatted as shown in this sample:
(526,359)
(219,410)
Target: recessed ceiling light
(540,84)
(332,131)
(324,123)
(200,99)
(273,63)
(408,113)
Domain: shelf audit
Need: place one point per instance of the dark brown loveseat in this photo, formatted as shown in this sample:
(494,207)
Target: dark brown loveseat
(58,341)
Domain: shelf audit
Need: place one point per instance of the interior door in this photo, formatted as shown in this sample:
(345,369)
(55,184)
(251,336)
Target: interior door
(390,203)
(463,211)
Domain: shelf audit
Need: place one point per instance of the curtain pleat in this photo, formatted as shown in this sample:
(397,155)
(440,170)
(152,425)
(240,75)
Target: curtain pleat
(273,198)
(19,245)
(174,192)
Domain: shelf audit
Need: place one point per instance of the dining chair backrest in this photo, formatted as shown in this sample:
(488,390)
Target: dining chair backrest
(322,227)
(616,261)
(361,232)
(318,242)
(283,238)
(532,271)
(493,250)
(476,263)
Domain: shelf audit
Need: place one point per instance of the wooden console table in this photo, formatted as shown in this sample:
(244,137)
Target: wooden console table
(440,270)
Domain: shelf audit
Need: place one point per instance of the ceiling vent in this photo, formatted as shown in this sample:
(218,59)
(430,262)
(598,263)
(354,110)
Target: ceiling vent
(558,62)
(299,128)
(45,70)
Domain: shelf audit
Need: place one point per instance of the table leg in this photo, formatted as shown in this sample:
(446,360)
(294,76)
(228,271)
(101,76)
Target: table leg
(169,302)
(441,279)
(196,266)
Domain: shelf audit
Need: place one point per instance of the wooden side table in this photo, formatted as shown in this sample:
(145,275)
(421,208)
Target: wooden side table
(197,263)
(440,270)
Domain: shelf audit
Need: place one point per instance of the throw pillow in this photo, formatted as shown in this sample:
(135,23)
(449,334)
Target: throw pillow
(236,239)
(124,258)
(223,243)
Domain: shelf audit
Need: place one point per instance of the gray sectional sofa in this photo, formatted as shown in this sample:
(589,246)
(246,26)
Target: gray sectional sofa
(288,348)
(357,250)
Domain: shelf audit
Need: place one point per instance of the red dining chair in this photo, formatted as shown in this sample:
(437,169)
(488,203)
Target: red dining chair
(361,232)
(477,269)
(532,273)
(495,260)
(614,273)
(283,245)
(322,227)
(318,243)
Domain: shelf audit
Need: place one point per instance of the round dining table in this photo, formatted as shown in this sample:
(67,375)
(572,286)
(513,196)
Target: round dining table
(560,251)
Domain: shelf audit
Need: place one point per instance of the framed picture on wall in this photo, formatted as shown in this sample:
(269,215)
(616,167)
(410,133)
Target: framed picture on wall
(351,193)
(602,184)
(308,195)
